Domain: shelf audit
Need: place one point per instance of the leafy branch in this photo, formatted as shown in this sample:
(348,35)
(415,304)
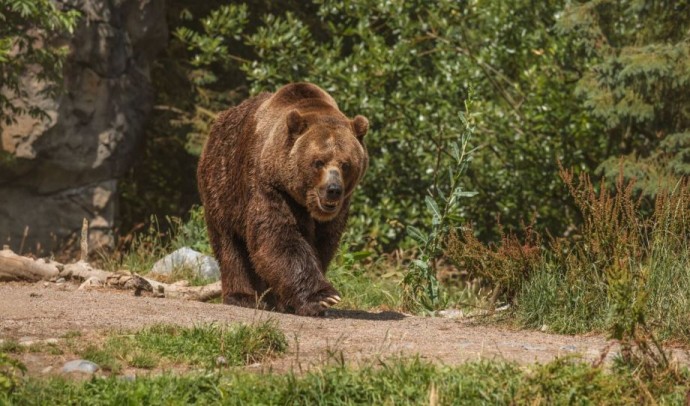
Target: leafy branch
(420,285)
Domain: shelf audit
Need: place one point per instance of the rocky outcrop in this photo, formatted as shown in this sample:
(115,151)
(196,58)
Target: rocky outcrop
(65,167)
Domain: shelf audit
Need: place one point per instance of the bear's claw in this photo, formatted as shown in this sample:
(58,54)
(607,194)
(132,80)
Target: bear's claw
(330,301)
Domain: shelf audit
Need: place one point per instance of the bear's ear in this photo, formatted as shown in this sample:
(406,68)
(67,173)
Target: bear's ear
(296,124)
(360,125)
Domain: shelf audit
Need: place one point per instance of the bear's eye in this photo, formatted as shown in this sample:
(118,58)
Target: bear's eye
(318,164)
(345,166)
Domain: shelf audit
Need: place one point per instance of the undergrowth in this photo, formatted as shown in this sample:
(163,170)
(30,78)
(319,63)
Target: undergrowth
(138,251)
(625,270)
(365,280)
(415,382)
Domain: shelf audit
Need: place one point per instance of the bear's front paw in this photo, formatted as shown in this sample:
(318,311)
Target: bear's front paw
(319,303)
(311,310)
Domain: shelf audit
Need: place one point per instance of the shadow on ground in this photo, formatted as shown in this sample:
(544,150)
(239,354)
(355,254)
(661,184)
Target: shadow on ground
(363,315)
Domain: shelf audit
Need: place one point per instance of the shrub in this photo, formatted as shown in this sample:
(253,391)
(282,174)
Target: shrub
(623,269)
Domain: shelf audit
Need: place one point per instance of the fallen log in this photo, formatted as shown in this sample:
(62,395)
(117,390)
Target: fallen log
(15,267)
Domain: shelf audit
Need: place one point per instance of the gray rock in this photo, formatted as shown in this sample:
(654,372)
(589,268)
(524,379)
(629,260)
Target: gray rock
(569,348)
(60,280)
(202,265)
(80,365)
(67,165)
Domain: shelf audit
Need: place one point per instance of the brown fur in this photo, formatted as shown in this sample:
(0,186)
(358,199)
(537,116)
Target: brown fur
(263,178)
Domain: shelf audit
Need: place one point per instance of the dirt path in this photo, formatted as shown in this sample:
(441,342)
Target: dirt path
(41,311)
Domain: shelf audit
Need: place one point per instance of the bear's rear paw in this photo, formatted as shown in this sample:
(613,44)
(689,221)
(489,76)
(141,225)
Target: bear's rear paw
(244,300)
(319,303)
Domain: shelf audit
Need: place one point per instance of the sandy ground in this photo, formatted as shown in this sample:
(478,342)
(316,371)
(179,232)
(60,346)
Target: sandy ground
(46,310)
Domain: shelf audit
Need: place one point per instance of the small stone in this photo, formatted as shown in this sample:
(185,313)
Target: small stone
(45,284)
(451,313)
(60,280)
(544,328)
(46,369)
(221,361)
(503,308)
(531,348)
(80,365)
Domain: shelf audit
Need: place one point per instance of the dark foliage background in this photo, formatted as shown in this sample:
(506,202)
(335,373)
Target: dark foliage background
(581,83)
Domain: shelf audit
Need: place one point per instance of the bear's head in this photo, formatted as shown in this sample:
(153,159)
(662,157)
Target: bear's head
(326,160)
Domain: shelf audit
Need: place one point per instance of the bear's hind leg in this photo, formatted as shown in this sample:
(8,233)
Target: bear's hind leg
(240,285)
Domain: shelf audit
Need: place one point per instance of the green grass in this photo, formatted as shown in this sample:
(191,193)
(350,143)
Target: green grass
(11,346)
(362,291)
(14,347)
(365,282)
(396,382)
(72,334)
(661,289)
(103,357)
(163,345)
(562,305)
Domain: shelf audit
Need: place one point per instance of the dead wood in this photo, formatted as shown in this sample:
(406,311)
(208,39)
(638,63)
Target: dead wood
(15,267)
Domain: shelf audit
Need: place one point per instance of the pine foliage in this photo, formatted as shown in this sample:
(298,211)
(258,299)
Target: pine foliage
(635,59)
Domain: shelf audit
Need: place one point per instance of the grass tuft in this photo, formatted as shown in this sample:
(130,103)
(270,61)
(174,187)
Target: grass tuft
(565,381)
(163,345)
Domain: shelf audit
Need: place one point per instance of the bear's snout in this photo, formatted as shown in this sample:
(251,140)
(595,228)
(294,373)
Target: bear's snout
(334,190)
(330,191)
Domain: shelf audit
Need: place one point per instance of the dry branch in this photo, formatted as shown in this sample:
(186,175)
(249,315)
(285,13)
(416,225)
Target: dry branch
(15,267)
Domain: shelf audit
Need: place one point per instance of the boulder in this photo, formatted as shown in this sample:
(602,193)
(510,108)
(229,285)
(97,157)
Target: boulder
(201,265)
(65,167)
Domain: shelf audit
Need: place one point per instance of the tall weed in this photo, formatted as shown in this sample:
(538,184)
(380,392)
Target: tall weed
(625,269)
(421,289)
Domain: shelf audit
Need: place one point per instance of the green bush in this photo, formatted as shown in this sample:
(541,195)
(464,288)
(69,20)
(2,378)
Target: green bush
(408,66)
(11,373)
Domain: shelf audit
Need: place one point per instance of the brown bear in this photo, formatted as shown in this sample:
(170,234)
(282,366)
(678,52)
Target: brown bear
(276,178)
